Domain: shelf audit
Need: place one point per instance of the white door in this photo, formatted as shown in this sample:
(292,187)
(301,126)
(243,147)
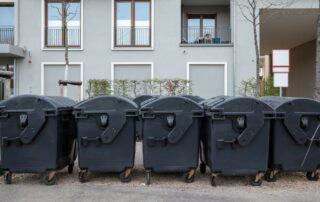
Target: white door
(54,73)
(129,72)
(207,80)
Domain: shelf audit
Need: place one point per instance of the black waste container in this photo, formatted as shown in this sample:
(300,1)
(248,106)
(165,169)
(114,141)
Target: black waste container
(37,136)
(106,135)
(171,136)
(236,137)
(295,137)
(139,100)
(195,98)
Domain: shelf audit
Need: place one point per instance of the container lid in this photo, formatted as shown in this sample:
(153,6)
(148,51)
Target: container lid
(171,103)
(237,104)
(140,99)
(290,103)
(107,103)
(33,101)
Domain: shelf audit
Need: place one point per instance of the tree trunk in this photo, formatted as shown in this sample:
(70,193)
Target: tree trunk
(257,52)
(66,44)
(317,79)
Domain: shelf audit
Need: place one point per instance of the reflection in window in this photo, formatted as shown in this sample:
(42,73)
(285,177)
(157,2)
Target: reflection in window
(55,30)
(132,23)
(7,23)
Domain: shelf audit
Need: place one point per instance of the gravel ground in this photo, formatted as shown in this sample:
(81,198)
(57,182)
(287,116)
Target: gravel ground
(164,187)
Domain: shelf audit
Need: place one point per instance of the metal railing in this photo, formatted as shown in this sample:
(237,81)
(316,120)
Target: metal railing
(137,36)
(55,37)
(206,35)
(6,35)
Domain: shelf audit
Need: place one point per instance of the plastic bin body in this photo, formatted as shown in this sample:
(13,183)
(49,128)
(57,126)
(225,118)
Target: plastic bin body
(106,133)
(139,100)
(171,134)
(296,124)
(236,136)
(37,133)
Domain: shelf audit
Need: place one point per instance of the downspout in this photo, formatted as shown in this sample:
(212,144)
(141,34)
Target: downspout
(234,50)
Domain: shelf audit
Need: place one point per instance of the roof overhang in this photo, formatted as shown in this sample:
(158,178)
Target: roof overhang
(287,28)
(7,50)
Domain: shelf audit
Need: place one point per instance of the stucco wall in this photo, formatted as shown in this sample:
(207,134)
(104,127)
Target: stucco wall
(301,76)
(170,60)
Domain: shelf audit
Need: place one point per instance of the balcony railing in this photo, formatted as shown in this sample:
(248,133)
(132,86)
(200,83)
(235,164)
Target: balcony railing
(133,37)
(206,35)
(7,35)
(55,37)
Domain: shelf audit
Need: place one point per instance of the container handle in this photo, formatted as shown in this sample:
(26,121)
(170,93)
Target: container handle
(254,125)
(184,121)
(292,123)
(115,124)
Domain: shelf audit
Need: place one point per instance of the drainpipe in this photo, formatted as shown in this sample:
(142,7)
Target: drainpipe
(234,49)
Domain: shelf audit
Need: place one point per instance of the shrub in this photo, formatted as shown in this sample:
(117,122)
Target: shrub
(98,87)
(248,87)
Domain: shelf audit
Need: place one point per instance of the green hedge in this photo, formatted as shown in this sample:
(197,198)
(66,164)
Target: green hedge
(135,88)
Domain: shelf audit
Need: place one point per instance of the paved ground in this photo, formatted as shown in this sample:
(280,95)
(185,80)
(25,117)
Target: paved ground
(164,187)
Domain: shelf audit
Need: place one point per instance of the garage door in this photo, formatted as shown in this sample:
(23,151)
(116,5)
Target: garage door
(137,72)
(54,73)
(207,80)
(132,72)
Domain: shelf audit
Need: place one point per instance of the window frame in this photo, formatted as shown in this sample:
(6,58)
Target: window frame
(132,32)
(45,24)
(201,17)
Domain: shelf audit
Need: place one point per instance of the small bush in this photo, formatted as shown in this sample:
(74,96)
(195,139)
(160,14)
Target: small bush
(98,87)
(248,87)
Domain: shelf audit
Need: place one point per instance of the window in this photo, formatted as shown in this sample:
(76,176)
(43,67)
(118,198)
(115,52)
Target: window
(6,23)
(132,23)
(56,33)
(201,28)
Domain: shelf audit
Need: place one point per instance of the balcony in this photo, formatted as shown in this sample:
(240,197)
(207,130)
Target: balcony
(206,23)
(132,37)
(55,37)
(209,35)
(7,35)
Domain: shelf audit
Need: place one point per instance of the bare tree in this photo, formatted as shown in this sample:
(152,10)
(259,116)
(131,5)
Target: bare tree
(251,10)
(66,15)
(317,76)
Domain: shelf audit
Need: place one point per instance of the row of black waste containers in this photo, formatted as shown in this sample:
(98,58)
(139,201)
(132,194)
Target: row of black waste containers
(232,136)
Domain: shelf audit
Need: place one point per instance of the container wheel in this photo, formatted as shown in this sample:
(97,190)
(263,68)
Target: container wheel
(126,176)
(148,177)
(270,176)
(50,179)
(256,180)
(83,176)
(189,176)
(7,177)
(312,176)
(203,167)
(213,181)
(70,168)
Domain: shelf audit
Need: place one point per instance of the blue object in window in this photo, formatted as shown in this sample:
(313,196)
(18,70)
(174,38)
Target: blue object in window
(216,40)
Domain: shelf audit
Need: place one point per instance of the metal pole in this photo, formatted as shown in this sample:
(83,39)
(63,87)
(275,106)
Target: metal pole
(280,91)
